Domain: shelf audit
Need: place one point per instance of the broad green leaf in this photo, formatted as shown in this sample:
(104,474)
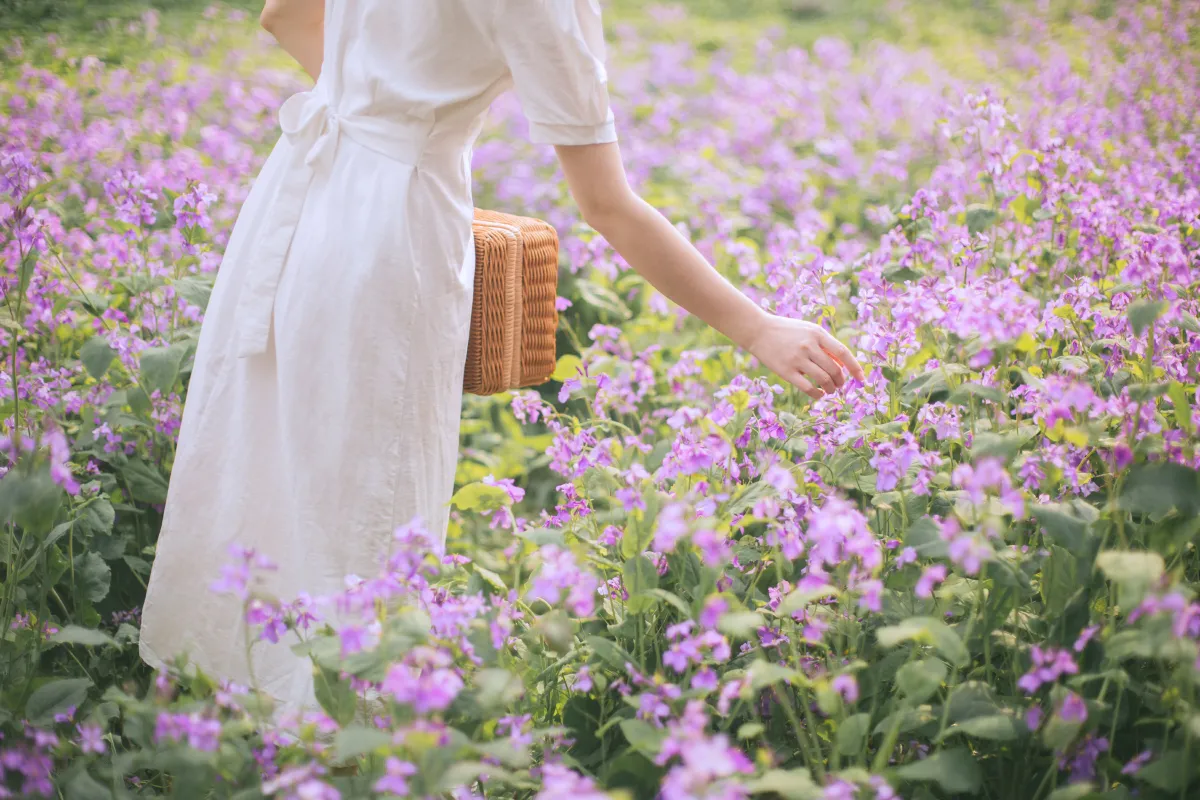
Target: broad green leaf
(1143,313)
(643,736)
(1076,791)
(766,673)
(953,770)
(798,599)
(740,624)
(919,680)
(96,355)
(1183,408)
(925,630)
(925,537)
(673,599)
(1170,772)
(852,733)
(82,786)
(55,697)
(31,499)
(639,575)
(76,634)
(479,496)
(1062,526)
(357,740)
(93,576)
(603,298)
(789,784)
(160,367)
(749,730)
(335,694)
(1134,571)
(610,652)
(979,218)
(541,537)
(996,727)
(195,289)
(146,483)
(1161,487)
(568,366)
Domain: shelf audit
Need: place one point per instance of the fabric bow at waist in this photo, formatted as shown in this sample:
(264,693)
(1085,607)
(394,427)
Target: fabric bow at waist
(313,129)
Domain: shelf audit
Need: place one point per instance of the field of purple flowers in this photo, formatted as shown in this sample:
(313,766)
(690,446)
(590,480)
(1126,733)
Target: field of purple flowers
(667,576)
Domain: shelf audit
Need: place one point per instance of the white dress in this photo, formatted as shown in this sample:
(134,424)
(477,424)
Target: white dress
(324,403)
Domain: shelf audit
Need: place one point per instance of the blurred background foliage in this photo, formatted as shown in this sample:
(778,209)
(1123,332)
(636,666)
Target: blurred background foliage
(954,29)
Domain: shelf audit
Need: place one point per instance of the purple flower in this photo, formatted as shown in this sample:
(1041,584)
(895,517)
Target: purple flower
(847,686)
(395,781)
(931,576)
(1073,708)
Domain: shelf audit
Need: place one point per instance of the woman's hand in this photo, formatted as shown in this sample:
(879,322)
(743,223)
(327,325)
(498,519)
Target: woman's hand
(799,352)
(803,354)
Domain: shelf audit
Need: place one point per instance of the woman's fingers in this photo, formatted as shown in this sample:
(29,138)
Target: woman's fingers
(817,375)
(843,354)
(805,385)
(830,365)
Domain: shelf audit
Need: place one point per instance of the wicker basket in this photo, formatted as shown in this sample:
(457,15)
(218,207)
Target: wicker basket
(514,318)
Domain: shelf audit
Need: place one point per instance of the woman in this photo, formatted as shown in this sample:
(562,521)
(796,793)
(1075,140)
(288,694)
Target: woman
(323,409)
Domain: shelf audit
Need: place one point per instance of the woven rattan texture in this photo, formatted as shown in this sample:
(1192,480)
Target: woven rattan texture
(503,243)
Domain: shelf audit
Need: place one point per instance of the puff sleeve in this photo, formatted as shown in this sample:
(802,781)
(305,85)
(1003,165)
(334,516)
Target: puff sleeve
(555,51)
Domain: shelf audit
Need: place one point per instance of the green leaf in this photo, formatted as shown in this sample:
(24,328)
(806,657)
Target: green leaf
(1161,487)
(673,599)
(1183,408)
(568,366)
(1134,571)
(852,733)
(953,770)
(979,218)
(739,624)
(75,634)
(479,496)
(1143,313)
(925,537)
(1171,772)
(1075,791)
(603,298)
(82,786)
(335,694)
(541,537)
(639,575)
(1062,526)
(30,499)
(767,673)
(919,680)
(899,273)
(93,576)
(749,730)
(610,652)
(925,630)
(995,727)
(789,784)
(146,483)
(96,356)
(55,698)
(643,736)
(798,599)
(195,289)
(160,367)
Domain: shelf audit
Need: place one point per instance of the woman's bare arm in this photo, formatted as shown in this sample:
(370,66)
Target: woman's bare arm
(801,353)
(299,27)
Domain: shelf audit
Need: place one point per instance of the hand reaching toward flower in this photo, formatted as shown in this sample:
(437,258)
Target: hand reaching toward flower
(805,355)
(801,353)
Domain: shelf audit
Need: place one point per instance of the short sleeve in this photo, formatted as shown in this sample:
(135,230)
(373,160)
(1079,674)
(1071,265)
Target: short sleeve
(555,51)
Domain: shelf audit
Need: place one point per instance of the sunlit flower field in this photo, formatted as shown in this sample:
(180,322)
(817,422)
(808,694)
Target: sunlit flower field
(667,575)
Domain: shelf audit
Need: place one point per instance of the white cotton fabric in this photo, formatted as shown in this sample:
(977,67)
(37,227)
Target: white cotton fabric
(323,409)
